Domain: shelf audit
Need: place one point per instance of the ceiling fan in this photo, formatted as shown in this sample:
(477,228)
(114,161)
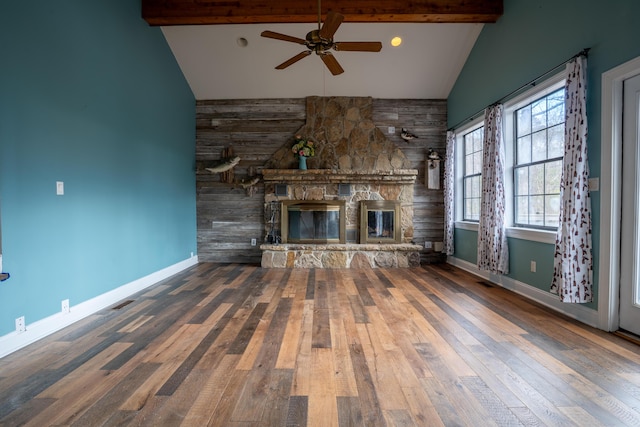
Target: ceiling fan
(321,42)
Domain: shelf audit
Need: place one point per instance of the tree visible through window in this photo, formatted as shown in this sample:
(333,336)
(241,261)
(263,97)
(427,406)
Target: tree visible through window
(472,179)
(538,161)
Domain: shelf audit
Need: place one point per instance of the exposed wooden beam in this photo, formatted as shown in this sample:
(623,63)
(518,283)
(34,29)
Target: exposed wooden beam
(196,12)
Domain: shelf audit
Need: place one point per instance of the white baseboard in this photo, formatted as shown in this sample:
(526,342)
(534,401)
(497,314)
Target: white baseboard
(575,311)
(40,329)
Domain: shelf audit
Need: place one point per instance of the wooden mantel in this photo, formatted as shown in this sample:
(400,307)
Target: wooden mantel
(194,12)
(330,176)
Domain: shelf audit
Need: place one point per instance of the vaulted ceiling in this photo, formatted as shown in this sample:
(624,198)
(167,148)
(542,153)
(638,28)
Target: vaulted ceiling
(218,46)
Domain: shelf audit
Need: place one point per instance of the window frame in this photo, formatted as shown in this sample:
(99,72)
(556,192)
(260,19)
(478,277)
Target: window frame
(472,125)
(542,235)
(466,176)
(540,90)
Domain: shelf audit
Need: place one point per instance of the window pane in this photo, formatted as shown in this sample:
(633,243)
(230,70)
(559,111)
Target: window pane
(467,188)
(475,187)
(523,121)
(467,209)
(552,210)
(468,165)
(477,162)
(524,149)
(522,181)
(539,146)
(475,209)
(472,209)
(556,99)
(468,144)
(555,115)
(536,179)
(553,175)
(538,115)
(555,141)
(522,210)
(477,139)
(536,210)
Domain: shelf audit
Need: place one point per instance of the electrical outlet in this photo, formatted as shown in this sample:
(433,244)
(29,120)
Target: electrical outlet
(20,324)
(392,130)
(533,266)
(253,242)
(428,245)
(65,306)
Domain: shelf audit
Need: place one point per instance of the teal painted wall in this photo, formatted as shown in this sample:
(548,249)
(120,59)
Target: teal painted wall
(465,243)
(532,37)
(92,96)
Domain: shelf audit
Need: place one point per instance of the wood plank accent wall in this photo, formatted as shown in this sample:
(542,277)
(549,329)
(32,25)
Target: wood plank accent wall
(228,218)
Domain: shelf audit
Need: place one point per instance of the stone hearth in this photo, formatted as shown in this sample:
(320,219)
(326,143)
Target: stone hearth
(340,256)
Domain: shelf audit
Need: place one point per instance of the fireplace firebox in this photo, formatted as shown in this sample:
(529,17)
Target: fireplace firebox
(318,221)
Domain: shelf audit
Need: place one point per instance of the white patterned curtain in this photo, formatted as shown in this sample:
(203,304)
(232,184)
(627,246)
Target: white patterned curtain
(493,253)
(573,264)
(449,194)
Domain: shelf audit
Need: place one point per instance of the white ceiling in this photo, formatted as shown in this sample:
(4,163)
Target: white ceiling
(425,66)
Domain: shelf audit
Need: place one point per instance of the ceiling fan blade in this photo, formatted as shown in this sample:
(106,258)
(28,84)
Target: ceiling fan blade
(358,46)
(331,24)
(278,36)
(293,60)
(332,63)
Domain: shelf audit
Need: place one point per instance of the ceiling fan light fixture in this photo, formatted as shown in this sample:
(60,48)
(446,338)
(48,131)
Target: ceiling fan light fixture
(396,41)
(321,42)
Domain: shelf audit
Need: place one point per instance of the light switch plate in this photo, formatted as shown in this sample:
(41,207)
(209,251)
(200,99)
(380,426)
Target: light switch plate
(594,184)
(59,188)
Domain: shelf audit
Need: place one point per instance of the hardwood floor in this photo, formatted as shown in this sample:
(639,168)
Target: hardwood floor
(237,345)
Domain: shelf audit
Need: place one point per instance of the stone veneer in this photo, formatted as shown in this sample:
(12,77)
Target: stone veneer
(345,137)
(340,256)
(350,149)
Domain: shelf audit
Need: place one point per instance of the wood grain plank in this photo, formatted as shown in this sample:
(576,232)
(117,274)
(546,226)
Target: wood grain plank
(101,411)
(323,410)
(291,339)
(302,374)
(210,394)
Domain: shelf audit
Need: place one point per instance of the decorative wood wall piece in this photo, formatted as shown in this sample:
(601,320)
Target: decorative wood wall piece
(228,176)
(433,174)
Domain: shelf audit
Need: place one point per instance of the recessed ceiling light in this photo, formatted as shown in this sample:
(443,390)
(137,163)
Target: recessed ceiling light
(396,41)
(242,42)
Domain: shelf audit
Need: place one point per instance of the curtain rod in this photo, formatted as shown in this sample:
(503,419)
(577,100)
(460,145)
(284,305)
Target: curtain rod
(583,52)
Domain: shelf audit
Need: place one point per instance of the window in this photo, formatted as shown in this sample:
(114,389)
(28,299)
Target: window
(539,146)
(534,147)
(472,175)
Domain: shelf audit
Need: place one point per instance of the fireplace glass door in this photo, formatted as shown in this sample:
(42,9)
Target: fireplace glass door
(313,221)
(380,221)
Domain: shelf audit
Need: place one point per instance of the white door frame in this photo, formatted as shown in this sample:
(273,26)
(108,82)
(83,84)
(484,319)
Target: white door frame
(610,190)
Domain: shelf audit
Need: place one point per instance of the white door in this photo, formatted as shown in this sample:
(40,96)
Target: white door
(630,224)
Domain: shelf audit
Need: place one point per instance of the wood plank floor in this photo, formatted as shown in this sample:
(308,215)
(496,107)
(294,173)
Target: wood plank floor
(237,345)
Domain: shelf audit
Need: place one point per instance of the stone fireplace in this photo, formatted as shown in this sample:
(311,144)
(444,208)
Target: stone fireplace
(356,168)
